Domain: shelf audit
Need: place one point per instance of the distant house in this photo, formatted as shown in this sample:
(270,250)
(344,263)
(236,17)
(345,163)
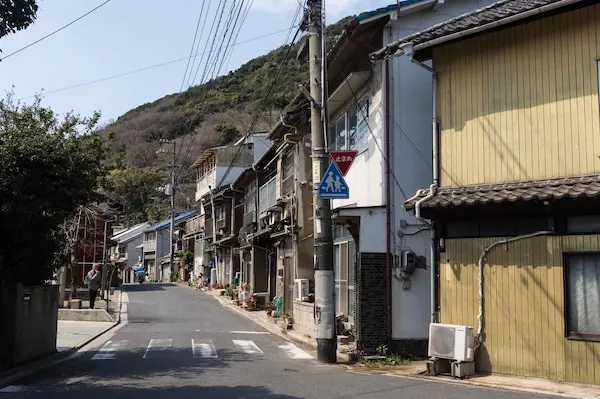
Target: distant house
(127,251)
(156,247)
(516,204)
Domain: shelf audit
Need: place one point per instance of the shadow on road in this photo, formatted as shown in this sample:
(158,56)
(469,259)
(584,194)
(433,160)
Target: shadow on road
(210,392)
(146,287)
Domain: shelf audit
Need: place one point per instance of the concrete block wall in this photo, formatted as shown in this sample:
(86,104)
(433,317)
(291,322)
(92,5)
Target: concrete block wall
(371,314)
(304,320)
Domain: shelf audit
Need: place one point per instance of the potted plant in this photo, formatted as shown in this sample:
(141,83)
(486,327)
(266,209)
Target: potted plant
(289,321)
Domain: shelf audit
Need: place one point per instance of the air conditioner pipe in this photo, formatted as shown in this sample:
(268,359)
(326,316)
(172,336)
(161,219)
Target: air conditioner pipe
(480,318)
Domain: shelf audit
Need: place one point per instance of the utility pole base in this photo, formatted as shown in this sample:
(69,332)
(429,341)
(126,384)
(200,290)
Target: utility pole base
(326,351)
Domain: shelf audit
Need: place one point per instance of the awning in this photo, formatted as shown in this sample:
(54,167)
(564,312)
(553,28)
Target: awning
(483,194)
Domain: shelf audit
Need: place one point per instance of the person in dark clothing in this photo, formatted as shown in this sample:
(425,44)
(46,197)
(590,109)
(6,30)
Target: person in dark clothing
(93,281)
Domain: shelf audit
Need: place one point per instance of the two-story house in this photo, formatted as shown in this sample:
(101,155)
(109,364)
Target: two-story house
(194,236)
(126,252)
(157,247)
(383,261)
(516,193)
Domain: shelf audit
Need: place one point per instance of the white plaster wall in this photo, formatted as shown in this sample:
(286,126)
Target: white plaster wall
(411,98)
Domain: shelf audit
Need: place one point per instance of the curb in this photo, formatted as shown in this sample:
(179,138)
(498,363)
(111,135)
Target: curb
(10,376)
(444,380)
(273,328)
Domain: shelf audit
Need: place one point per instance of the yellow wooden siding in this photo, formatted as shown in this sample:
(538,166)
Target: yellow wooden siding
(521,103)
(524,306)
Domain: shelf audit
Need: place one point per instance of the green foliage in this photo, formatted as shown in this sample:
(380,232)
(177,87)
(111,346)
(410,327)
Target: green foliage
(186,260)
(16,15)
(48,167)
(239,95)
(135,188)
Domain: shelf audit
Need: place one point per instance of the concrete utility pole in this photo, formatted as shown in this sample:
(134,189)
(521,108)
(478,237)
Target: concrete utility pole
(171,191)
(323,242)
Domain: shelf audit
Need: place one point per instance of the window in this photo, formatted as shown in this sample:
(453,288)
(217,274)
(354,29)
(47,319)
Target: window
(250,198)
(344,254)
(583,224)
(351,128)
(582,289)
(287,169)
(267,195)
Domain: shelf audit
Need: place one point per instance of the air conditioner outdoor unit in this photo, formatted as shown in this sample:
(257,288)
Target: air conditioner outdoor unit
(451,342)
(300,289)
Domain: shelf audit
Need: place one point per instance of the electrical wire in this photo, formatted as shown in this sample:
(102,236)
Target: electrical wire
(193,46)
(263,102)
(188,82)
(148,67)
(54,32)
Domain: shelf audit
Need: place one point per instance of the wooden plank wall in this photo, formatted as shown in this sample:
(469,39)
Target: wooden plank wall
(521,103)
(524,306)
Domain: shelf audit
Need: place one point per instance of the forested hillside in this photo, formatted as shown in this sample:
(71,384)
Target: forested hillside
(212,114)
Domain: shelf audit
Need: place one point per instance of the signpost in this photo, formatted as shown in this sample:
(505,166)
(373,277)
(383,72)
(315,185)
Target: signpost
(333,185)
(343,159)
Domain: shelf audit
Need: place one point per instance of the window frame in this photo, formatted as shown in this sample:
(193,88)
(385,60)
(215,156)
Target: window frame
(574,336)
(363,101)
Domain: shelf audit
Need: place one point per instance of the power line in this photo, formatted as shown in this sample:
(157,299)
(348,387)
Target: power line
(193,45)
(56,31)
(198,43)
(148,67)
(263,102)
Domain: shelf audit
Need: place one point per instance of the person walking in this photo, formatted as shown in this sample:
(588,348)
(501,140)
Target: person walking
(93,280)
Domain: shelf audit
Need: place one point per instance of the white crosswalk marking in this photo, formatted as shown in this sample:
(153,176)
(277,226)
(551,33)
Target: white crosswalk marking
(204,348)
(157,345)
(251,332)
(109,350)
(248,347)
(294,352)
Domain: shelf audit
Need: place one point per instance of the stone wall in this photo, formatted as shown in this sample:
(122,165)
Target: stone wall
(30,320)
(304,319)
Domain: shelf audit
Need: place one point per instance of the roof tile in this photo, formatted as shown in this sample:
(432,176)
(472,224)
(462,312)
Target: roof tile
(568,187)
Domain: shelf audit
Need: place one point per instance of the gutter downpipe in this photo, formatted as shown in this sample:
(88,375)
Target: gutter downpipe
(433,187)
(388,207)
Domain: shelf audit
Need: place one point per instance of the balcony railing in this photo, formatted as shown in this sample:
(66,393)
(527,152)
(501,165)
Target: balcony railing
(202,185)
(149,246)
(267,195)
(195,225)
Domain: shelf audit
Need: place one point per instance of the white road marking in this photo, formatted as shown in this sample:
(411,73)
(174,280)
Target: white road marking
(203,348)
(248,347)
(294,352)
(13,389)
(250,332)
(109,350)
(156,345)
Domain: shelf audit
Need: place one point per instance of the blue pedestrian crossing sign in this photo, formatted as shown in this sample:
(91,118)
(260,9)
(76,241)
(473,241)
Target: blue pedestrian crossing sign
(333,185)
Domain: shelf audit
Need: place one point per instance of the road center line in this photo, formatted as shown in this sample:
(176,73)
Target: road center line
(109,350)
(248,347)
(204,348)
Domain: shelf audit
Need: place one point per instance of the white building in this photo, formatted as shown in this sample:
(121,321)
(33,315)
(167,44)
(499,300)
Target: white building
(127,251)
(384,111)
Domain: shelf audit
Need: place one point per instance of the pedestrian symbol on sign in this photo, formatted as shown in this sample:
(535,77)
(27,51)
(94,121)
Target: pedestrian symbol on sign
(333,185)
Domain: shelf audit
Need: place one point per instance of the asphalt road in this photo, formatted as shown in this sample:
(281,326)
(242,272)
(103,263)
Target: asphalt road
(181,343)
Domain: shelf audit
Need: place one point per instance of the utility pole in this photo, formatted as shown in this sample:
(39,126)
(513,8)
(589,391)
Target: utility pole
(323,242)
(171,191)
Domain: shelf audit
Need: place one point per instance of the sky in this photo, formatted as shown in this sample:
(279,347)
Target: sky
(128,35)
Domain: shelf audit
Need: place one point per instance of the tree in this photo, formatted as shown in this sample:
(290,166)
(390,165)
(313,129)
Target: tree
(49,166)
(16,15)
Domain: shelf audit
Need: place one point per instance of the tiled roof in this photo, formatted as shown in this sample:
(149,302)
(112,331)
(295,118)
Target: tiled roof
(496,12)
(568,187)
